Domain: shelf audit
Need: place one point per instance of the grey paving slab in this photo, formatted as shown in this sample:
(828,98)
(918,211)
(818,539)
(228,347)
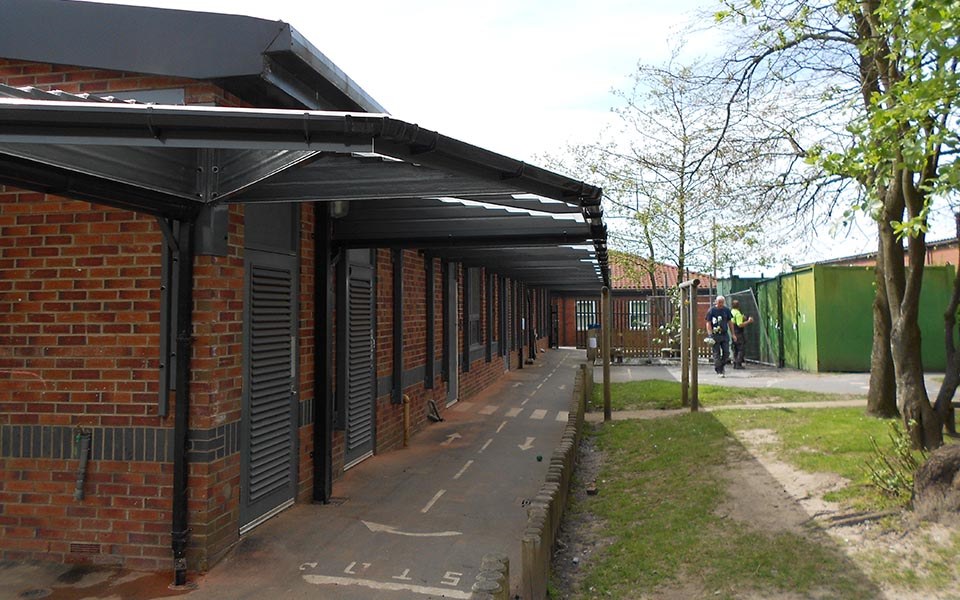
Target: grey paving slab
(757,376)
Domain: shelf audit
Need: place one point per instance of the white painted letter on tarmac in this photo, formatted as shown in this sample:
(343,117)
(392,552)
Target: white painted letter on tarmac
(451,578)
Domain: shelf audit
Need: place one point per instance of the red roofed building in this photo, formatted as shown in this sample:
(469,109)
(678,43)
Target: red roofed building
(640,302)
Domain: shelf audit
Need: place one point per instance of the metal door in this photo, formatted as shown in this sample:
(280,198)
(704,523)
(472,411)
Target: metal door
(269,444)
(360,380)
(451,329)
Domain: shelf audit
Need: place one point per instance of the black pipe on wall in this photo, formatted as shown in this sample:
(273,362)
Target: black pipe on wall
(323,355)
(179,528)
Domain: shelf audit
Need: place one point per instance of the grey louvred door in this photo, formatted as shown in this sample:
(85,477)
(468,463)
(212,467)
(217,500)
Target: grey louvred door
(269,451)
(361,384)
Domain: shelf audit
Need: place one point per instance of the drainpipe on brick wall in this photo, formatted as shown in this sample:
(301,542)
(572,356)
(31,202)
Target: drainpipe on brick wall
(179,528)
(322,355)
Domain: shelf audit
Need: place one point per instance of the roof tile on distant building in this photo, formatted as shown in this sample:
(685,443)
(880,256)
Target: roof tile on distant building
(629,272)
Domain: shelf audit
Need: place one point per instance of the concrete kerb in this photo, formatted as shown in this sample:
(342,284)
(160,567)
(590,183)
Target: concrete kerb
(546,511)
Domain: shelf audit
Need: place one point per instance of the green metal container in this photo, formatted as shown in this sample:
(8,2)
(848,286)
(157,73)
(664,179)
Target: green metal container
(820,318)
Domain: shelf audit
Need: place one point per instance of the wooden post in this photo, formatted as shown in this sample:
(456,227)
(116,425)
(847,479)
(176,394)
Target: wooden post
(684,347)
(605,323)
(689,378)
(694,347)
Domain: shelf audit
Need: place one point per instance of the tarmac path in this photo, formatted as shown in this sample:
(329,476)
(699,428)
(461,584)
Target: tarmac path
(415,523)
(409,524)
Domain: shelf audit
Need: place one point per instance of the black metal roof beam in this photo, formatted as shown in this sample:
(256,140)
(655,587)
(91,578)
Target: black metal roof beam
(337,177)
(450,228)
(49,179)
(441,241)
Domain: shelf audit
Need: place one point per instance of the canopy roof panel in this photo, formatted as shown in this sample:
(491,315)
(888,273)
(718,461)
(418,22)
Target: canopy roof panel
(396,184)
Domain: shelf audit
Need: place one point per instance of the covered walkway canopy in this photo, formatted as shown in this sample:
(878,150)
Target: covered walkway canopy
(389,183)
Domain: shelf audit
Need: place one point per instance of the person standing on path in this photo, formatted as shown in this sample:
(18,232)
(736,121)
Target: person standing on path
(739,323)
(718,327)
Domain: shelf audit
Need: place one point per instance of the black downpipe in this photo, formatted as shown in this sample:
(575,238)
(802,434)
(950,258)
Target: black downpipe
(531,330)
(518,303)
(323,356)
(180,531)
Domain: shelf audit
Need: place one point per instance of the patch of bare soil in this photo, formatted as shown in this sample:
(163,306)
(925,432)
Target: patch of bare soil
(580,533)
(772,495)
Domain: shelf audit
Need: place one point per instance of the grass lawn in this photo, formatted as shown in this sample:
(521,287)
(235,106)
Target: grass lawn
(657,394)
(659,494)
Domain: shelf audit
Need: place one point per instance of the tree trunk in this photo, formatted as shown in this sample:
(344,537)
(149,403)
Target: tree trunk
(944,404)
(903,297)
(918,416)
(882,396)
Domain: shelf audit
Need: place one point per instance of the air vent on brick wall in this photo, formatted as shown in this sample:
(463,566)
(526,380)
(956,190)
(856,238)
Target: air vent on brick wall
(84,548)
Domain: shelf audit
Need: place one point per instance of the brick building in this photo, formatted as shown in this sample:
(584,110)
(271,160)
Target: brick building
(639,300)
(230,293)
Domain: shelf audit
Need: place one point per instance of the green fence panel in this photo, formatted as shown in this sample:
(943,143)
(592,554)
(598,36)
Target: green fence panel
(807,311)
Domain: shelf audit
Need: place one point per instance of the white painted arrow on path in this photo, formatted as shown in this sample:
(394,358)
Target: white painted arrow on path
(450,438)
(527,444)
(375,527)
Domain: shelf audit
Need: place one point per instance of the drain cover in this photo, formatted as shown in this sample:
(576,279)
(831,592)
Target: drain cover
(36,593)
(524,502)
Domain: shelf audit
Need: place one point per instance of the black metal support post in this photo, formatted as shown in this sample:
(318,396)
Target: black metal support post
(180,531)
(531,329)
(323,355)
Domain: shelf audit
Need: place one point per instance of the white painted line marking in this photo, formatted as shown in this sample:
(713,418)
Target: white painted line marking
(525,401)
(388,585)
(403,576)
(517,384)
(488,409)
(378,527)
(463,470)
(538,414)
(563,415)
(433,501)
(502,425)
(450,438)
(304,566)
(562,387)
(490,441)
(540,386)
(514,412)
(527,444)
(463,406)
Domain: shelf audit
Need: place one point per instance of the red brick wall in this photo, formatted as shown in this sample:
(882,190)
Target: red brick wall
(79,345)
(80,80)
(308,292)
(79,314)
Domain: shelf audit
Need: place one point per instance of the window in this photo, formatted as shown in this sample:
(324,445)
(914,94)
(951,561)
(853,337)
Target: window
(586,312)
(473,306)
(638,312)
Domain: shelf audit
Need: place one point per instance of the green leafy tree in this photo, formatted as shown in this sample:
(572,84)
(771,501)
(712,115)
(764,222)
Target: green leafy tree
(900,59)
(681,173)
